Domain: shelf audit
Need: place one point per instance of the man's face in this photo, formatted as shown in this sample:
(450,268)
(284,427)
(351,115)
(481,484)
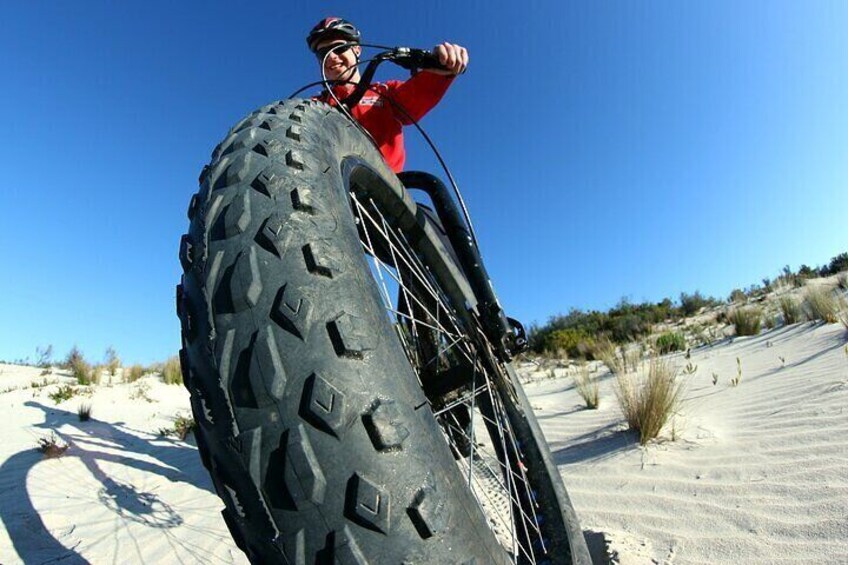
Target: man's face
(340,64)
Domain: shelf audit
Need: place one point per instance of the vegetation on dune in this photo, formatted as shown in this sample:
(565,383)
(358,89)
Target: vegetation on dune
(587,387)
(80,369)
(171,372)
(648,400)
(84,412)
(579,333)
(183,426)
(670,341)
(747,321)
(791,310)
(133,373)
(822,304)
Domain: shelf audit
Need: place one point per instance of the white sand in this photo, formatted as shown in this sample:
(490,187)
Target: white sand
(758,473)
(121,493)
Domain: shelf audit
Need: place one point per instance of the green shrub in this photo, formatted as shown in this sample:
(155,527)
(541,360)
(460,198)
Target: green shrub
(792,313)
(183,425)
(838,263)
(64,392)
(80,369)
(738,295)
(670,341)
(171,372)
(692,303)
(746,320)
(572,342)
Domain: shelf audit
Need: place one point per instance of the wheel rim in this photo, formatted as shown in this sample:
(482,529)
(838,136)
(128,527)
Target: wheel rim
(472,417)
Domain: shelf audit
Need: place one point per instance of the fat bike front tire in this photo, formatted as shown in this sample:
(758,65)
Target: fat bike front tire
(312,421)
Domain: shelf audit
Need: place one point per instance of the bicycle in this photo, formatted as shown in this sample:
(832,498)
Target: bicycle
(348,360)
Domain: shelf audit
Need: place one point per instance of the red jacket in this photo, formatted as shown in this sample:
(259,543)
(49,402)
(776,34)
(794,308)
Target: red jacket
(383,120)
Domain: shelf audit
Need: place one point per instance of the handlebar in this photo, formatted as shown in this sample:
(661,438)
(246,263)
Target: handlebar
(406,57)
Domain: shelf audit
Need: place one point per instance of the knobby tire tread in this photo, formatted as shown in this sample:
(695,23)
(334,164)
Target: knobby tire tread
(310,421)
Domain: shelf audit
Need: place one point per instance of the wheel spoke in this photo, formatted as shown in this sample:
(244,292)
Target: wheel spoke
(485,446)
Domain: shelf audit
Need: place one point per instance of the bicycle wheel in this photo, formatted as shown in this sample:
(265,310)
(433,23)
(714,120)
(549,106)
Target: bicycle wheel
(328,434)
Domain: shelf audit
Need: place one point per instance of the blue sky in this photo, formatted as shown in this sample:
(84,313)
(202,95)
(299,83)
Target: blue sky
(606,149)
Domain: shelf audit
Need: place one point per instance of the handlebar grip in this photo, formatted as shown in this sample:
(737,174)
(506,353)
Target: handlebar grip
(412,59)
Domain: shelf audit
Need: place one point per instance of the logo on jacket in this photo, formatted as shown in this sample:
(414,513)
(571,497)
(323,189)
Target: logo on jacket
(371,101)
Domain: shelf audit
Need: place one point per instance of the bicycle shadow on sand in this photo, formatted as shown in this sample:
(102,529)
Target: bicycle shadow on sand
(94,443)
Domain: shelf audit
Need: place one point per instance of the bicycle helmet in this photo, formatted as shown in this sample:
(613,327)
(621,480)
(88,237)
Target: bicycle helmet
(332,28)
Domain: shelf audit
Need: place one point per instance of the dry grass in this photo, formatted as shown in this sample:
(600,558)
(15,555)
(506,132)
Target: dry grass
(96,374)
(821,304)
(171,372)
(747,321)
(82,372)
(648,401)
(791,310)
(112,362)
(587,387)
(606,351)
(50,447)
(141,391)
(133,373)
(738,378)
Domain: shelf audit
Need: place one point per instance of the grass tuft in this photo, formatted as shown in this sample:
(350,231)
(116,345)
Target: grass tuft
(738,378)
(606,351)
(50,447)
(84,412)
(80,368)
(746,320)
(587,387)
(791,310)
(647,401)
(821,304)
(133,373)
(183,425)
(171,372)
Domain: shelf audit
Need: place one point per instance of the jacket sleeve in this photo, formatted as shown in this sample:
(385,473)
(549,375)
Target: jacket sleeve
(417,95)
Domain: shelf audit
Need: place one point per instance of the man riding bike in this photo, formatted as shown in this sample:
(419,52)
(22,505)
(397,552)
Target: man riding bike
(386,107)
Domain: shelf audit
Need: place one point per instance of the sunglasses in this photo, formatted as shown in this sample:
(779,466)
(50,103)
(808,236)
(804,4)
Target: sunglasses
(338,49)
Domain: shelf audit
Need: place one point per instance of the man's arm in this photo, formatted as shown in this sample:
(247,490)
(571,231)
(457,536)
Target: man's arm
(422,92)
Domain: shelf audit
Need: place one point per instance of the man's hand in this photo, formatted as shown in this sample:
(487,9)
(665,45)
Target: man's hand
(453,57)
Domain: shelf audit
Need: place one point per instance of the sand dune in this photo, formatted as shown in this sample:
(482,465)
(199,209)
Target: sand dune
(757,473)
